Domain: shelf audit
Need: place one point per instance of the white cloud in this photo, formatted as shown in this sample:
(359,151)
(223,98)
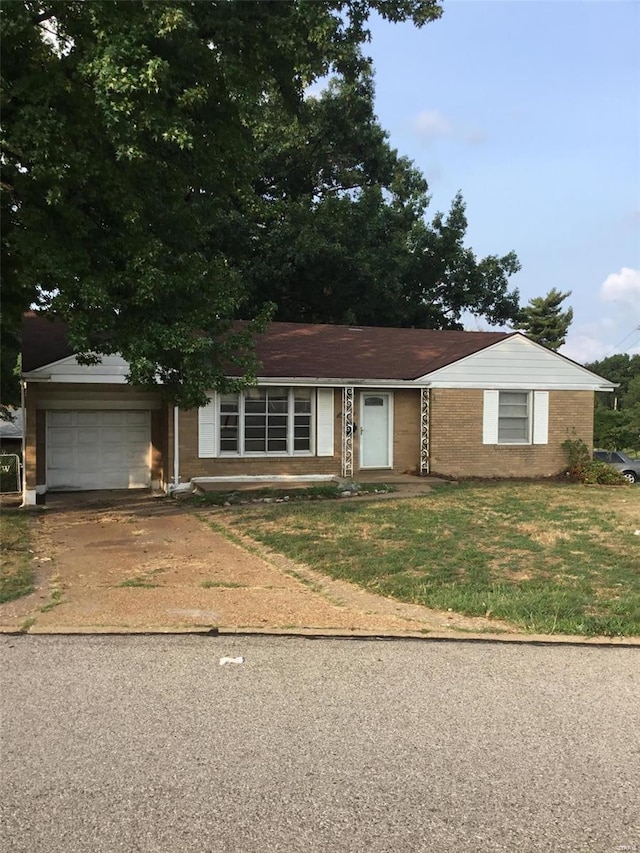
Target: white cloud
(623,286)
(431,123)
(593,341)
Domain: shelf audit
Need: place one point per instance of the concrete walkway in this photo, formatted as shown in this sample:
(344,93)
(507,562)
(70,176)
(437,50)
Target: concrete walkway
(135,562)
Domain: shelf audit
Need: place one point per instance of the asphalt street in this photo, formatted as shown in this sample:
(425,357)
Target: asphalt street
(149,744)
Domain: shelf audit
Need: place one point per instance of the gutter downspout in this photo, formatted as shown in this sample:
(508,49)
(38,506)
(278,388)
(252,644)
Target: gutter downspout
(23,407)
(176,448)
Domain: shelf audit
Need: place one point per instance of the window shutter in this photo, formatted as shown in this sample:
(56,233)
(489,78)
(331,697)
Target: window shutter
(540,417)
(490,417)
(207,438)
(324,422)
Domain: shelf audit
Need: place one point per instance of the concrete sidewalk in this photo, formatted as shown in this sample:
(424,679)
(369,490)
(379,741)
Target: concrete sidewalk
(133,562)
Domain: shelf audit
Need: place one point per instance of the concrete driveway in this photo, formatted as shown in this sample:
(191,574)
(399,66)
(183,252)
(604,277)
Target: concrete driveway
(131,561)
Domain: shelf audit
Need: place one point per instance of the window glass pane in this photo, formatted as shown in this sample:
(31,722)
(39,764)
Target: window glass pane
(254,445)
(513,411)
(229,403)
(302,400)
(277,445)
(277,432)
(513,430)
(373,401)
(277,421)
(229,420)
(514,402)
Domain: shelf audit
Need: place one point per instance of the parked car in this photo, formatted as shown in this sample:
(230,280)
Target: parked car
(628,467)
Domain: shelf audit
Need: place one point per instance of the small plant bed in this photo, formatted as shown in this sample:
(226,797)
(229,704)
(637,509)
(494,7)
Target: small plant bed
(328,492)
(16,574)
(548,558)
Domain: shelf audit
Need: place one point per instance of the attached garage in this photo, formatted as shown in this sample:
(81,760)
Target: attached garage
(94,449)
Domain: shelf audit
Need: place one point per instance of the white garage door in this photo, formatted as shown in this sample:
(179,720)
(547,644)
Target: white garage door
(98,450)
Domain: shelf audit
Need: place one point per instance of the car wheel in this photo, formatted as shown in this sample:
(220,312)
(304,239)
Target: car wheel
(630,475)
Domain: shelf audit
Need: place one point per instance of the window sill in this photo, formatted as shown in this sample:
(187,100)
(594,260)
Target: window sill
(301,454)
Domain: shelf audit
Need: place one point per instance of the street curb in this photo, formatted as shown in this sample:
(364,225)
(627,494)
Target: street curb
(327,634)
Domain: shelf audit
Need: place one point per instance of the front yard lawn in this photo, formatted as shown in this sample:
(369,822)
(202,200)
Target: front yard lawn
(549,558)
(16,576)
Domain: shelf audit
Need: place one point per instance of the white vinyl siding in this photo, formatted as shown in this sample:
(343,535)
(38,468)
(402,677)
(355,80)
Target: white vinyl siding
(515,417)
(324,420)
(513,364)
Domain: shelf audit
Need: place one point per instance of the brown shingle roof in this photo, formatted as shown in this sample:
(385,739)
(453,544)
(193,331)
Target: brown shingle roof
(310,351)
(367,352)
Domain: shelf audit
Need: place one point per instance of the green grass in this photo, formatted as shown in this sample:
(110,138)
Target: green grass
(221,585)
(55,598)
(549,558)
(16,574)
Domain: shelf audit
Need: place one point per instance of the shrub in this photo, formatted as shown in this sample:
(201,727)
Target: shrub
(583,469)
(602,474)
(578,457)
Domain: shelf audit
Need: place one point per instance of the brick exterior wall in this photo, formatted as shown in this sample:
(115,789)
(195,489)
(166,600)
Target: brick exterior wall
(31,434)
(456,447)
(406,446)
(406,432)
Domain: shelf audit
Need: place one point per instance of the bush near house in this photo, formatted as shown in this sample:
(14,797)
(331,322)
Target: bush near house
(582,468)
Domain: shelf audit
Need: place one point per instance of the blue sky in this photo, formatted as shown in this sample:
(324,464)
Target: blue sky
(532,109)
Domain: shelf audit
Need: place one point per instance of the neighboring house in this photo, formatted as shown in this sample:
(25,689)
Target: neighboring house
(330,400)
(11,433)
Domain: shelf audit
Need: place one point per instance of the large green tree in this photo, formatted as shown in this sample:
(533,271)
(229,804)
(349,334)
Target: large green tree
(544,321)
(342,235)
(129,161)
(163,174)
(617,415)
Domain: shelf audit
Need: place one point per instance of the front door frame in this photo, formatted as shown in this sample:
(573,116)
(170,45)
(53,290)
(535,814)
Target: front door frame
(389,398)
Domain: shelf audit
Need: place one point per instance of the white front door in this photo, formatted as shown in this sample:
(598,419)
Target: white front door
(375,431)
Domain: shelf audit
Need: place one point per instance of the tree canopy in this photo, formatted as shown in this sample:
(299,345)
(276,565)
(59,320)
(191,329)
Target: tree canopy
(342,233)
(544,321)
(617,416)
(163,174)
